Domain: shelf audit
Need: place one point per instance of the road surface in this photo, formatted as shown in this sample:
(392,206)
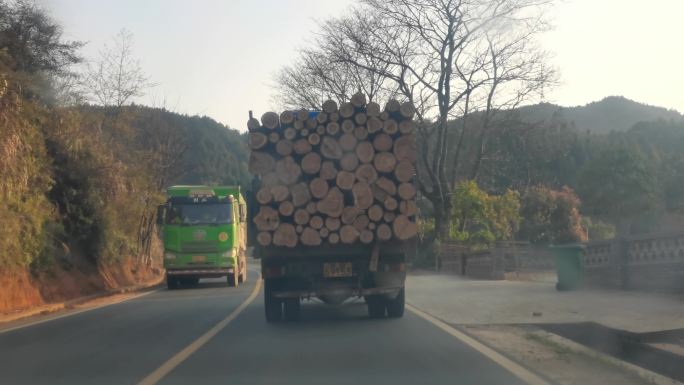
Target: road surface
(162,338)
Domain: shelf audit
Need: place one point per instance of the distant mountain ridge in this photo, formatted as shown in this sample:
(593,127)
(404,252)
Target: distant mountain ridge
(613,113)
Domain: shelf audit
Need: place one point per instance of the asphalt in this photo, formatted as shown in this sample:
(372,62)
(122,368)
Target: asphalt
(126,342)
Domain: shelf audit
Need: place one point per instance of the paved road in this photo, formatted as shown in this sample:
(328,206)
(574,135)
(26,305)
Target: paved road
(126,342)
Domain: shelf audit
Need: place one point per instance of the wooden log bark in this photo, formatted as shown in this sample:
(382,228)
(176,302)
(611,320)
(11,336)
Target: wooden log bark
(346,110)
(371,226)
(311,208)
(332,204)
(285,235)
(384,162)
(348,234)
(372,109)
(375,213)
(387,186)
(392,105)
(332,128)
(311,124)
(366,236)
(299,229)
(300,194)
(406,191)
(284,147)
(257,140)
(384,115)
(349,162)
(260,163)
(404,171)
(314,139)
(358,100)
(273,137)
(302,146)
(383,232)
(301,217)
(366,173)
(347,126)
(330,148)
(334,117)
(345,180)
(407,110)
(360,133)
(406,127)
(264,238)
(361,222)
(280,193)
(264,196)
(333,224)
(319,188)
(365,152)
(270,120)
(328,170)
(322,117)
(382,142)
(298,125)
(287,117)
(348,142)
(286,208)
(269,179)
(374,124)
(334,238)
(405,148)
(267,219)
(324,233)
(304,133)
(288,170)
(290,133)
(403,228)
(360,118)
(363,195)
(390,203)
(389,216)
(320,130)
(316,222)
(253,123)
(349,213)
(311,163)
(408,208)
(390,126)
(302,115)
(329,106)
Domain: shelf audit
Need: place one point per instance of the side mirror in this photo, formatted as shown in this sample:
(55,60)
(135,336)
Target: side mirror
(161,214)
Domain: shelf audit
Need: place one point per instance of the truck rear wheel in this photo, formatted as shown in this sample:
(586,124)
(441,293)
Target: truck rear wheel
(292,309)
(233,280)
(395,307)
(272,306)
(171,283)
(376,306)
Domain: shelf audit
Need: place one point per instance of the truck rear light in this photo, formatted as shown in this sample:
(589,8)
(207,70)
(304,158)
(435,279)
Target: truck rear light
(273,271)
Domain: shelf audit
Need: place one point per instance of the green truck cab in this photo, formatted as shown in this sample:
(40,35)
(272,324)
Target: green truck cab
(204,230)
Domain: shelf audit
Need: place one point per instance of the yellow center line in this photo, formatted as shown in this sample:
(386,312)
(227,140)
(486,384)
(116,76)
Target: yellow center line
(181,356)
(518,370)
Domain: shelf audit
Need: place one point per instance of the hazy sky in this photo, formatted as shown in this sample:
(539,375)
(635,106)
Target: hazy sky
(218,58)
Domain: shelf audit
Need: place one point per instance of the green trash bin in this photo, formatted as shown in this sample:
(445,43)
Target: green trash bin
(568,259)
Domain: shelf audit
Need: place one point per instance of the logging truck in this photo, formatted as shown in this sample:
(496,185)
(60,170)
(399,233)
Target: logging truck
(333,205)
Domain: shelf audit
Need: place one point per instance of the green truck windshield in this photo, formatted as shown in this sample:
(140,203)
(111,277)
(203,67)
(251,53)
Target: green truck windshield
(200,214)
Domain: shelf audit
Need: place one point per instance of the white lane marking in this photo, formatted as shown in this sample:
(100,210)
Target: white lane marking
(72,313)
(181,356)
(519,371)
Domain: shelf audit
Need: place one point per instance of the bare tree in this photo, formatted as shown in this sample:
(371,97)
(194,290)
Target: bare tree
(470,60)
(115,78)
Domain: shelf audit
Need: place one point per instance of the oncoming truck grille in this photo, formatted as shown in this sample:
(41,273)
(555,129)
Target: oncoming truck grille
(199,247)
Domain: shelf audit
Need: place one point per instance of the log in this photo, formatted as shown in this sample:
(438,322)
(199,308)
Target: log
(298,125)
(347,142)
(270,120)
(348,126)
(302,115)
(330,148)
(257,140)
(358,100)
(301,217)
(302,146)
(316,222)
(322,117)
(408,208)
(374,124)
(349,213)
(332,128)
(264,196)
(334,238)
(384,115)
(300,194)
(290,133)
(383,232)
(280,193)
(407,110)
(361,222)
(390,203)
(392,105)
(266,219)
(348,234)
(332,204)
(319,188)
(285,235)
(346,110)
(333,224)
(334,117)
(304,132)
(366,236)
(404,171)
(406,191)
(366,173)
(311,163)
(406,126)
(288,170)
(269,179)
(299,229)
(329,106)
(264,238)
(372,109)
(389,216)
(384,162)
(390,126)
(253,123)
(328,170)
(360,118)
(287,117)
(260,163)
(286,208)
(284,147)
(349,162)
(311,208)
(324,232)
(314,139)
(365,152)
(378,194)
(345,180)
(405,148)
(320,130)
(375,213)
(371,226)
(382,142)
(403,228)
(311,124)
(360,133)
(273,137)
(386,185)
(363,195)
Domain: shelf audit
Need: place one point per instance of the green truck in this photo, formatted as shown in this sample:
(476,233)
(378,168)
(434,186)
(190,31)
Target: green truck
(204,230)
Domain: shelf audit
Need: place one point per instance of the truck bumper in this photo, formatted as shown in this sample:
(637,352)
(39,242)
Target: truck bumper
(346,292)
(201,273)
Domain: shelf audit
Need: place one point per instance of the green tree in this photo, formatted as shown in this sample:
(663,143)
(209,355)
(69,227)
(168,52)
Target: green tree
(550,216)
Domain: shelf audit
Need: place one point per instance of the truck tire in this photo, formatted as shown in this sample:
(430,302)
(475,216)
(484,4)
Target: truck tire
(243,274)
(232,280)
(171,283)
(292,309)
(376,306)
(272,306)
(395,307)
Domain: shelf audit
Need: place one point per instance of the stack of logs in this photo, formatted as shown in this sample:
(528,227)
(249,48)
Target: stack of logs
(341,175)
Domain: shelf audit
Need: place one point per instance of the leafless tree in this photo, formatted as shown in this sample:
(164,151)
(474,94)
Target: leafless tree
(456,60)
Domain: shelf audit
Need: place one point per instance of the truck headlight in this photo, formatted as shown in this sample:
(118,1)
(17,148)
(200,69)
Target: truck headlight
(169,256)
